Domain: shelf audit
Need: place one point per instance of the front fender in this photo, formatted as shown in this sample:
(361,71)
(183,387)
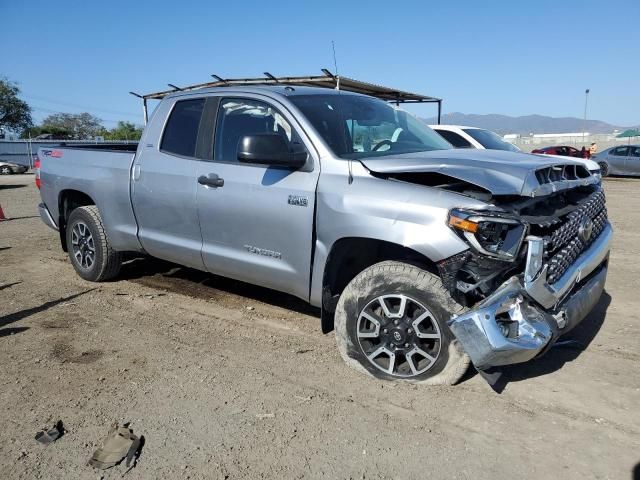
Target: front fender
(405,214)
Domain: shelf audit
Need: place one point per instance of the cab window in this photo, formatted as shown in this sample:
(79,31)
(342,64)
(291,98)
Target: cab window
(239,117)
(181,131)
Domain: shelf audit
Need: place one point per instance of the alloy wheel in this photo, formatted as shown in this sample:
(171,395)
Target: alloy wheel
(399,335)
(84,249)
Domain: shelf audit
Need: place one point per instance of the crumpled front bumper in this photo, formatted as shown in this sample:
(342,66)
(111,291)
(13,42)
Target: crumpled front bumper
(525,315)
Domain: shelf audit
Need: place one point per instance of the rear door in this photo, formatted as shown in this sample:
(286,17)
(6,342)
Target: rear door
(632,165)
(257,221)
(164,185)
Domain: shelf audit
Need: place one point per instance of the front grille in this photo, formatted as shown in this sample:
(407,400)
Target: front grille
(564,245)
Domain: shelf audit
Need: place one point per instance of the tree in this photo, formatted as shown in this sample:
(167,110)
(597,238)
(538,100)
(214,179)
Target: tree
(53,133)
(80,125)
(15,114)
(124,131)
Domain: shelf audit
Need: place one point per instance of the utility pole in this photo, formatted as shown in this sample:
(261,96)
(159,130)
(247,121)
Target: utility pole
(584,122)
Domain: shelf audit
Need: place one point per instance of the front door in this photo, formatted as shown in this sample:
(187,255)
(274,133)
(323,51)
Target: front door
(257,221)
(617,159)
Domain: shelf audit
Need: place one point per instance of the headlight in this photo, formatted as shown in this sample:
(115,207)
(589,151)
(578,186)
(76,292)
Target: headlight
(494,236)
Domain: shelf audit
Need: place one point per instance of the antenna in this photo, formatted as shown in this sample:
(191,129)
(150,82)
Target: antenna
(335,62)
(337,77)
(335,65)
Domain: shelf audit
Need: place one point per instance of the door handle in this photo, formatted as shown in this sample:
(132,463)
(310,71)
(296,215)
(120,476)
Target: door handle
(213,180)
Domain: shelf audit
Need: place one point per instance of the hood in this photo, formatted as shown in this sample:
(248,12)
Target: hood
(498,171)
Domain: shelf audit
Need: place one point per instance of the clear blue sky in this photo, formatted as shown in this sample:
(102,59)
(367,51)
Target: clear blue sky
(514,58)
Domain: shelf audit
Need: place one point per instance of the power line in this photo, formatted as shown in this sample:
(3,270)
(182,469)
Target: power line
(75,105)
(48,110)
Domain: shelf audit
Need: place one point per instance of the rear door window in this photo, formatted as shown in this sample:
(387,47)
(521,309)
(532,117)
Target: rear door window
(490,140)
(454,139)
(181,132)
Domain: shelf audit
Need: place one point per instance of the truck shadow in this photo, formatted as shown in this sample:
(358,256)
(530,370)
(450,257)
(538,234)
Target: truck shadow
(27,312)
(568,348)
(163,275)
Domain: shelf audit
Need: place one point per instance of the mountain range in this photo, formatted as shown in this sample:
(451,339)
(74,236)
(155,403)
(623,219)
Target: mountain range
(527,124)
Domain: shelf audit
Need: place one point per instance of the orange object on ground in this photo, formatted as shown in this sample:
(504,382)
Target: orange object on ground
(2,217)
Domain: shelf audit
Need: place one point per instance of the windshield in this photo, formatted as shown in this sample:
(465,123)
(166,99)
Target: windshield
(355,126)
(490,140)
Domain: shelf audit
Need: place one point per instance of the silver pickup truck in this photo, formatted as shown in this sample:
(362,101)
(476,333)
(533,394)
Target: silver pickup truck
(423,258)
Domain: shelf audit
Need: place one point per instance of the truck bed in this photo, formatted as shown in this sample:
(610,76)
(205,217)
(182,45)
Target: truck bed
(100,171)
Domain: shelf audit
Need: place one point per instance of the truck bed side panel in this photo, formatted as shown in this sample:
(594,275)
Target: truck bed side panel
(102,175)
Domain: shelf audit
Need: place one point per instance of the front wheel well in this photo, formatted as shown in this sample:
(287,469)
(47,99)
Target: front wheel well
(68,201)
(350,256)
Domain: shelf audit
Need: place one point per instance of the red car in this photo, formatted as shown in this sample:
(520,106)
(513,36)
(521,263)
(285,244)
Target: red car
(560,150)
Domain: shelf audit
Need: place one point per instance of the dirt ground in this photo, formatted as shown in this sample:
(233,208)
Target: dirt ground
(227,380)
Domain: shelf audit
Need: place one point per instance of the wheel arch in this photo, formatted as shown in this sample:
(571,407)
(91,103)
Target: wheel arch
(607,166)
(69,200)
(348,256)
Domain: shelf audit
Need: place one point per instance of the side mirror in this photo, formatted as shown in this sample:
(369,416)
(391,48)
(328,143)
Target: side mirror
(271,149)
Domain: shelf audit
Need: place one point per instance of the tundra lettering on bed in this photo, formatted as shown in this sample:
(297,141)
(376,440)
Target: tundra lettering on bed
(422,258)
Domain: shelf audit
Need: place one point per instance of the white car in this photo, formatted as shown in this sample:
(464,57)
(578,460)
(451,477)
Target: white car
(473,137)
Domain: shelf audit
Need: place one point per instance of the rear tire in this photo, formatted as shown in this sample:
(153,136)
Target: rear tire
(90,252)
(5,170)
(604,169)
(406,339)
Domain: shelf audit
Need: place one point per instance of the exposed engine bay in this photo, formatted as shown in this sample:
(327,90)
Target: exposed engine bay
(560,219)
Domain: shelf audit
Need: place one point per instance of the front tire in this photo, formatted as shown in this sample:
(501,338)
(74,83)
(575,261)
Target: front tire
(90,252)
(604,169)
(5,170)
(390,323)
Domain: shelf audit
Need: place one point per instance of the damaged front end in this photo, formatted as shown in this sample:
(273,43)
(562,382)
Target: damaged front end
(535,269)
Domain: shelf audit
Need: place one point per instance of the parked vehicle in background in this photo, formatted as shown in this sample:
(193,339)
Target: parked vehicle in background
(472,137)
(424,257)
(621,160)
(562,151)
(9,168)
(565,151)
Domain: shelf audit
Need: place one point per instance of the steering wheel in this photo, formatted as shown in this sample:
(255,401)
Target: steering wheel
(381,144)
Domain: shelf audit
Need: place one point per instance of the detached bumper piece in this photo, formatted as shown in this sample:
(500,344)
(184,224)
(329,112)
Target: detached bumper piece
(525,315)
